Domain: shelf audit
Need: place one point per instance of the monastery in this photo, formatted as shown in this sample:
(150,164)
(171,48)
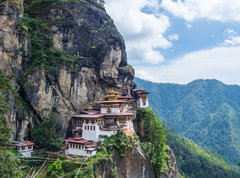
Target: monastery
(115,113)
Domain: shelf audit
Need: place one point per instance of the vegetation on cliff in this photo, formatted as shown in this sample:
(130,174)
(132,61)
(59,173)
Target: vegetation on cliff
(47,134)
(43,53)
(194,161)
(206,111)
(153,139)
(8,162)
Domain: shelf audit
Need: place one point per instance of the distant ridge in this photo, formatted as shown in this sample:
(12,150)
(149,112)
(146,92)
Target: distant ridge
(206,111)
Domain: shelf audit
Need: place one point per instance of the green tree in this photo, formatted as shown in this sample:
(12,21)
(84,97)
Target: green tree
(8,164)
(55,169)
(47,133)
(154,140)
(4,128)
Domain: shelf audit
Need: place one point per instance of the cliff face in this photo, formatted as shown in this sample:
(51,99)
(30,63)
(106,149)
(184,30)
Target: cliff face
(135,164)
(80,29)
(11,63)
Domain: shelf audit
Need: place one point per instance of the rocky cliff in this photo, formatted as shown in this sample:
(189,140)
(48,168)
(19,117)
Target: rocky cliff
(58,56)
(79,30)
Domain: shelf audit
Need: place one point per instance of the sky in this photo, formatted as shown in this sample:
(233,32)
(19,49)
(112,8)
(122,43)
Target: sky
(178,41)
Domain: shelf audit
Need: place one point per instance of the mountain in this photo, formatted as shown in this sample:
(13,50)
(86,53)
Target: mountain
(206,111)
(57,56)
(195,162)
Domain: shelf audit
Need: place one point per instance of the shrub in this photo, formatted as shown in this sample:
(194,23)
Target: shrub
(154,139)
(47,134)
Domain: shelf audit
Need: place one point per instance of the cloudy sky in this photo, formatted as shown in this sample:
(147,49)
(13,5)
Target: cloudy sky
(179,41)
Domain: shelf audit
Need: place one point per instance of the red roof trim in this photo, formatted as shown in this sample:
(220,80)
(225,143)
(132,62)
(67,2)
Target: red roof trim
(26,143)
(89,115)
(74,140)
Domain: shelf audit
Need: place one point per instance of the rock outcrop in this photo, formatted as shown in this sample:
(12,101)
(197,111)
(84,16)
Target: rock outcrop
(81,29)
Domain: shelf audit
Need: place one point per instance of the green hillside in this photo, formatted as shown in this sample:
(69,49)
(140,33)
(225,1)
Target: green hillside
(196,162)
(206,111)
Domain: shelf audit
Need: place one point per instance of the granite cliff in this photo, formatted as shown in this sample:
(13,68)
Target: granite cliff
(57,56)
(79,29)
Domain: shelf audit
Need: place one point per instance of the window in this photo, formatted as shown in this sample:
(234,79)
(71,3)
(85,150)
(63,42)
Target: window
(79,123)
(30,147)
(22,148)
(93,127)
(85,127)
(109,110)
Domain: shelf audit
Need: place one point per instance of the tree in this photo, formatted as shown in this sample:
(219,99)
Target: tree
(47,134)
(55,169)
(8,164)
(4,128)
(154,139)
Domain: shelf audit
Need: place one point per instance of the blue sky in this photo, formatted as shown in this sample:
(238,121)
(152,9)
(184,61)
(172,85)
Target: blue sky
(180,41)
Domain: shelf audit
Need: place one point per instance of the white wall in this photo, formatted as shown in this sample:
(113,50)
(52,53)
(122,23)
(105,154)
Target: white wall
(107,133)
(90,134)
(79,152)
(141,105)
(26,152)
(103,110)
(113,110)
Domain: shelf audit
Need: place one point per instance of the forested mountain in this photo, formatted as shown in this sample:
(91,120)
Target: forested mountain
(206,111)
(196,162)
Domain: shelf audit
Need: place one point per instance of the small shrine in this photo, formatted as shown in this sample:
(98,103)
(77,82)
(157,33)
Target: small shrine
(142,98)
(25,148)
(80,147)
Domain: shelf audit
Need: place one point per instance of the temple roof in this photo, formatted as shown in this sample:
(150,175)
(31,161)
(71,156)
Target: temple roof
(91,112)
(112,101)
(141,91)
(89,115)
(76,140)
(125,97)
(119,114)
(26,143)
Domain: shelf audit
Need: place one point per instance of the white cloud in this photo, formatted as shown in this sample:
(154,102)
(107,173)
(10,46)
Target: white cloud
(222,63)
(173,37)
(190,10)
(143,32)
(232,38)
